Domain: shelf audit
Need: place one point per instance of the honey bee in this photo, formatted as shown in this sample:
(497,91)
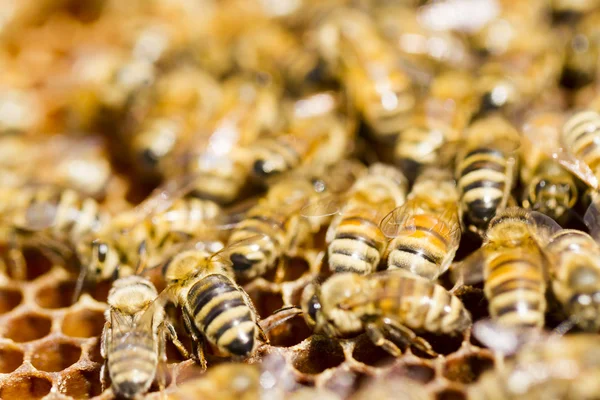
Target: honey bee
(133,339)
(425,231)
(581,65)
(370,70)
(388,306)
(166,117)
(318,136)
(219,157)
(549,188)
(354,241)
(49,218)
(485,170)
(513,267)
(278,217)
(215,309)
(575,270)
(438,120)
(553,368)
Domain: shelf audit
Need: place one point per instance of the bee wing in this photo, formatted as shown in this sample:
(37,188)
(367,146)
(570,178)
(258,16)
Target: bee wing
(341,176)
(545,226)
(323,207)
(470,270)
(397,220)
(226,256)
(504,339)
(592,219)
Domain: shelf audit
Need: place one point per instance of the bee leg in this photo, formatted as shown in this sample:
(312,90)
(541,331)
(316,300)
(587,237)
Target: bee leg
(173,337)
(197,342)
(18,265)
(161,372)
(376,335)
(280,269)
(395,330)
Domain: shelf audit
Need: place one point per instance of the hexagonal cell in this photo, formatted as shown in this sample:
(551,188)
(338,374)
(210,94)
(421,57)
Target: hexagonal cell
(467,369)
(57,295)
(321,353)
(265,302)
(81,384)
(93,352)
(37,264)
(366,352)
(294,268)
(289,333)
(420,372)
(100,290)
(9,299)
(25,387)
(27,327)
(11,358)
(83,323)
(443,344)
(55,356)
(451,394)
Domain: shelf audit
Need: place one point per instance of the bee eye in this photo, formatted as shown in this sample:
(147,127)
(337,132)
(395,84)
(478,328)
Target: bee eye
(313,307)
(102,250)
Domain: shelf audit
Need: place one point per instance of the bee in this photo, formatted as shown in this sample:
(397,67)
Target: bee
(278,217)
(133,339)
(580,136)
(219,157)
(49,218)
(513,266)
(318,136)
(575,270)
(370,70)
(165,118)
(581,65)
(354,241)
(549,188)
(552,368)
(215,309)
(425,231)
(385,305)
(485,170)
(438,120)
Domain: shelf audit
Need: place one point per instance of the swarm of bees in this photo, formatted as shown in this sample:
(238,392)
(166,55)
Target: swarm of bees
(413,157)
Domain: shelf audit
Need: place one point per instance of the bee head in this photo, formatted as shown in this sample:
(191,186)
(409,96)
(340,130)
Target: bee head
(104,260)
(311,305)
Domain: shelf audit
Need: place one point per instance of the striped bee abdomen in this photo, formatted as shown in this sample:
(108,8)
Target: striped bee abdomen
(276,156)
(422,305)
(515,288)
(421,247)
(358,243)
(482,180)
(251,260)
(221,314)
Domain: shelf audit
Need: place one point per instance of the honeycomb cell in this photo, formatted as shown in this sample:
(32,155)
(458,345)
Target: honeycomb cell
(450,394)
(416,371)
(442,344)
(11,358)
(9,299)
(54,357)
(366,352)
(56,295)
(83,323)
(27,327)
(37,264)
(265,302)
(320,354)
(82,384)
(467,369)
(100,291)
(25,387)
(295,267)
(289,333)
(94,352)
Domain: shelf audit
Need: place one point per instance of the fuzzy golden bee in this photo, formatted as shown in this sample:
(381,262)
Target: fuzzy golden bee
(355,242)
(425,231)
(216,311)
(386,305)
(513,265)
(486,170)
(134,335)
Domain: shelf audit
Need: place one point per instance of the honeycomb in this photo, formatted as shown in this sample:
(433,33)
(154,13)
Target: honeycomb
(50,346)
